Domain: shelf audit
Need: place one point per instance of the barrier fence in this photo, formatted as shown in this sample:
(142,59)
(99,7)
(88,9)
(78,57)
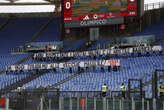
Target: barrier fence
(45,92)
(82,103)
(77,100)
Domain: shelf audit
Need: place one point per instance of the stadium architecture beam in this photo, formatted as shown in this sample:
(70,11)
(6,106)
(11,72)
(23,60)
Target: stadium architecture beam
(49,2)
(18,2)
(16,9)
(9,4)
(62,29)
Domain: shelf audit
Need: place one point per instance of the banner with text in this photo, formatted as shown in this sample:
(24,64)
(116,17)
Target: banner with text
(63,65)
(99,52)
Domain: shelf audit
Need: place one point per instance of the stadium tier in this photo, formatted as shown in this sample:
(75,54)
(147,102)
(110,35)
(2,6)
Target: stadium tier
(52,32)
(9,79)
(10,59)
(138,67)
(156,29)
(135,67)
(21,30)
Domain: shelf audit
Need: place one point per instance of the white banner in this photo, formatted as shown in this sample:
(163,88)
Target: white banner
(99,52)
(63,65)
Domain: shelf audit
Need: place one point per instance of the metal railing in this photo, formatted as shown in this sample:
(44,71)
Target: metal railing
(47,99)
(44,99)
(83,103)
(109,104)
(54,92)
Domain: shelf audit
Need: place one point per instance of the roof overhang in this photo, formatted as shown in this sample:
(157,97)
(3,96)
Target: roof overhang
(29,6)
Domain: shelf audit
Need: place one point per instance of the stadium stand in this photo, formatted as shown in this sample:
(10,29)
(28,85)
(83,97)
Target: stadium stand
(52,32)
(133,68)
(136,67)
(31,76)
(15,33)
(18,31)
(92,81)
(6,60)
(156,29)
(75,45)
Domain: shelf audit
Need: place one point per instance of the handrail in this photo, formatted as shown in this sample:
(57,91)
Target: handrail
(158,39)
(67,79)
(19,62)
(5,23)
(55,92)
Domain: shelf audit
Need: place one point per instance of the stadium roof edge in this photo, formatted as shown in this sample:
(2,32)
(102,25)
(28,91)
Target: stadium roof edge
(9,4)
